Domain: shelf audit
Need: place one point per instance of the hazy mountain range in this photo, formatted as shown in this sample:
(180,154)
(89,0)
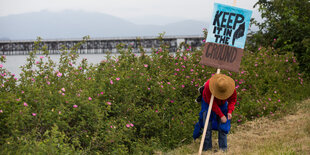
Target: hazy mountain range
(76,24)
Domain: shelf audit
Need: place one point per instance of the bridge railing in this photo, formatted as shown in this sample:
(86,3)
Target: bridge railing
(100,45)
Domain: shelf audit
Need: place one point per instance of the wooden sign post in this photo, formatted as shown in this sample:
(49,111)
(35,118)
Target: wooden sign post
(224,44)
(207,120)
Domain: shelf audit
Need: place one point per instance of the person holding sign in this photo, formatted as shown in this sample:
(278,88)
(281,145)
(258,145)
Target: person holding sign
(225,97)
(223,50)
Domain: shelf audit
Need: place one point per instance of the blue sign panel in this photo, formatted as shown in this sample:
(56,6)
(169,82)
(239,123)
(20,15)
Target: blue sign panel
(229,25)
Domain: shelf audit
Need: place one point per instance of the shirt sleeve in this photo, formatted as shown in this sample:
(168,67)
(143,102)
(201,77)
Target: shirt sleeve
(232,101)
(207,97)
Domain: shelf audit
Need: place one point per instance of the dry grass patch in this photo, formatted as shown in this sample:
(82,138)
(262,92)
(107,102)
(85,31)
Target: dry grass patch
(284,135)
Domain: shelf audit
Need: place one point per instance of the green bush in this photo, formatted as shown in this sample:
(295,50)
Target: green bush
(285,26)
(129,104)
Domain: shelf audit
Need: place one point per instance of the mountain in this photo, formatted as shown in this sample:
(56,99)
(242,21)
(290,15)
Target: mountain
(76,24)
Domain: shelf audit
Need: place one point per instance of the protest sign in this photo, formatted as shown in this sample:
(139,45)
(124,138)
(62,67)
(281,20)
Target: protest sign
(226,37)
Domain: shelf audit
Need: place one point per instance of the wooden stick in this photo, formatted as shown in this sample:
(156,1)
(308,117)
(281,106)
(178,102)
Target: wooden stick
(207,120)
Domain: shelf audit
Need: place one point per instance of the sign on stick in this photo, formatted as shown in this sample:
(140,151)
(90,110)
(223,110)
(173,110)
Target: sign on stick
(226,37)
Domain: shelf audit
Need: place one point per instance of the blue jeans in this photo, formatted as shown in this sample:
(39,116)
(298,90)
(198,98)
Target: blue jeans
(222,136)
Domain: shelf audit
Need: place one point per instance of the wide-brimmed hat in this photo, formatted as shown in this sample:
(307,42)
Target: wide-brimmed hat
(221,86)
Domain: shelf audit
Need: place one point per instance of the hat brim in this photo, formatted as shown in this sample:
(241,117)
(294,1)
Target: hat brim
(229,88)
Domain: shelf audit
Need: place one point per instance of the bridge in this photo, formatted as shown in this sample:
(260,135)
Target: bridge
(101,45)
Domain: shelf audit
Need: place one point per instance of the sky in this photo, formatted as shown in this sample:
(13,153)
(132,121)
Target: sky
(139,11)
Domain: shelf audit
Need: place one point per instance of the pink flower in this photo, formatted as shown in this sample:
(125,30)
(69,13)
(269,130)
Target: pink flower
(111,126)
(63,94)
(172,101)
(34,114)
(168,83)
(48,83)
(156,110)
(192,70)
(75,106)
(239,120)
(279,100)
(117,79)
(89,98)
(131,125)
(149,88)
(145,65)
(1,111)
(177,69)
(70,63)
(162,86)
(183,86)
(101,93)
(109,103)
(37,62)
(23,92)
(18,99)
(25,104)
(255,65)
(269,99)
(59,74)
(41,57)
(1,65)
(111,81)
(275,92)
(80,68)
(127,125)
(63,89)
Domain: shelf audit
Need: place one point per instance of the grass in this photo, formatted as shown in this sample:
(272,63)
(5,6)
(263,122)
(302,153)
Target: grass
(286,134)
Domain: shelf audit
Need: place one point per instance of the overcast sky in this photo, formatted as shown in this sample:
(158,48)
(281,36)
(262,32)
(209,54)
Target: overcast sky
(127,9)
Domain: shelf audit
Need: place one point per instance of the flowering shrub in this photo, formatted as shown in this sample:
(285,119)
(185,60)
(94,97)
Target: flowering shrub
(129,104)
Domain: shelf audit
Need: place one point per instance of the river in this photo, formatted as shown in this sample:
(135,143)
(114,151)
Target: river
(13,62)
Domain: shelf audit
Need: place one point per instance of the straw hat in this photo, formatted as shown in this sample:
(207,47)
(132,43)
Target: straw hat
(222,86)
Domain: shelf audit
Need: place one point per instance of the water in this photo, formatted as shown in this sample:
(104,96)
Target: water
(14,62)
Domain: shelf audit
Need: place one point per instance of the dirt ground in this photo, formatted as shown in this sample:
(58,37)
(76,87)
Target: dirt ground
(289,134)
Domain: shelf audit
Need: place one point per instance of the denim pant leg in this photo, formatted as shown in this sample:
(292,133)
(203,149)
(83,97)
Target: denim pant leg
(208,139)
(222,137)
